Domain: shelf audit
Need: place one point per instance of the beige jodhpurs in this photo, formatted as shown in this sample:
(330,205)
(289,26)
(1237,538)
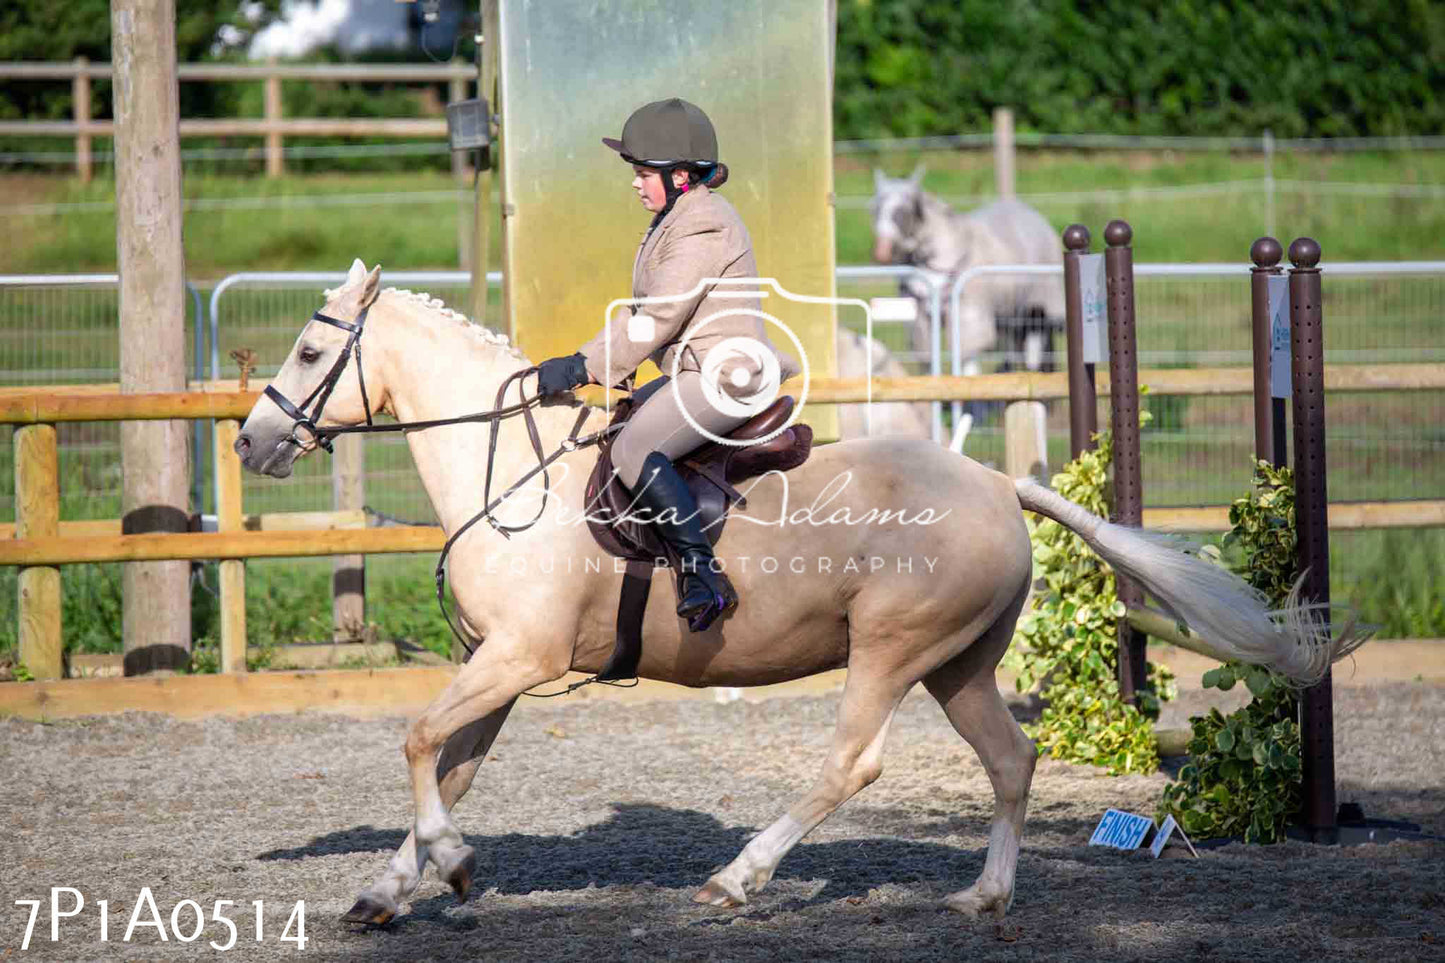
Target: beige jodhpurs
(659,425)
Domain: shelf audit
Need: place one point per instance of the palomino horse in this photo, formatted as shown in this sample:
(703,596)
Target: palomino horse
(896,558)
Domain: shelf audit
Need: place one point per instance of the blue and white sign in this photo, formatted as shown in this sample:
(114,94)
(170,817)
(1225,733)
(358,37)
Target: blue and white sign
(1121,830)
(1279,361)
(1094,298)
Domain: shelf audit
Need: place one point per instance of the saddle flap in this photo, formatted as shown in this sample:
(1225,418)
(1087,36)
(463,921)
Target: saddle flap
(769,420)
(784,453)
(789,449)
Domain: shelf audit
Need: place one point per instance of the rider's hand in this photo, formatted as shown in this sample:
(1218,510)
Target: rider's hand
(557,375)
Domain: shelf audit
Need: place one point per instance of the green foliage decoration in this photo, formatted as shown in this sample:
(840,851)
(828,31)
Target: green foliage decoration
(1191,67)
(1243,777)
(1067,643)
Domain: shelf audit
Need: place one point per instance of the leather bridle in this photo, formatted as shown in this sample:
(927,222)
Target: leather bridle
(321,437)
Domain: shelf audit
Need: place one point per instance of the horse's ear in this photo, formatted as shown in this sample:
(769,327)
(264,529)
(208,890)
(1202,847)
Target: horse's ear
(370,287)
(361,288)
(917,176)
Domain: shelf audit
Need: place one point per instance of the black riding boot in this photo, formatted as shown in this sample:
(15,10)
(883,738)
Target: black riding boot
(705,593)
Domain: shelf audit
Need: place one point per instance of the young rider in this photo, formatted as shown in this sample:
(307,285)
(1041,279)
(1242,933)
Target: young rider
(695,235)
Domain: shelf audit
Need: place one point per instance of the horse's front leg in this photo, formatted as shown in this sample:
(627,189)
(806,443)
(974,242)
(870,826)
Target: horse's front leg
(456,768)
(501,670)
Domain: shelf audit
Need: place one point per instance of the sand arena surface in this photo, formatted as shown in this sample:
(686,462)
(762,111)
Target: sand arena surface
(596,819)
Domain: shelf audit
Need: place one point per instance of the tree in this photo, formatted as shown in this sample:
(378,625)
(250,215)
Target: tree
(48,31)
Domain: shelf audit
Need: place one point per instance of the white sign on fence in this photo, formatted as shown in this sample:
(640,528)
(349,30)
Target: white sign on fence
(1121,830)
(893,309)
(1279,361)
(1093,297)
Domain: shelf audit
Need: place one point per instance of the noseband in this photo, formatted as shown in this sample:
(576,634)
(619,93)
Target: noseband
(321,437)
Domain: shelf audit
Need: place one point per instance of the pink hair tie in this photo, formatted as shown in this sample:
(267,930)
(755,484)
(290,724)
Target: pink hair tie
(687,187)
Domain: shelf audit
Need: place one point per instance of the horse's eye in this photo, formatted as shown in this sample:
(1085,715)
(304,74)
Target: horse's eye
(308,355)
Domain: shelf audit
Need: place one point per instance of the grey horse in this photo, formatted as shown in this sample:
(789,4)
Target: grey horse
(911,226)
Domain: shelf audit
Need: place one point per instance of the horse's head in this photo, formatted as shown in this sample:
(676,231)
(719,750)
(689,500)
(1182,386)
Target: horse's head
(321,383)
(897,209)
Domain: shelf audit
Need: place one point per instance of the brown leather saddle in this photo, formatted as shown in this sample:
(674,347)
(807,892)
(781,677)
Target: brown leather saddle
(710,472)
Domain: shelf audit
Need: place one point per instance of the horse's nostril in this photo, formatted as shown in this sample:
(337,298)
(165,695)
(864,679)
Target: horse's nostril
(242,445)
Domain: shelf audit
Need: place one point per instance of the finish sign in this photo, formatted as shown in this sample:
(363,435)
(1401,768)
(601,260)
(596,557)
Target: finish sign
(1127,831)
(1121,830)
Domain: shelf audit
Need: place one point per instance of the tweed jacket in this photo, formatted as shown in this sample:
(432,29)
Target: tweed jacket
(701,237)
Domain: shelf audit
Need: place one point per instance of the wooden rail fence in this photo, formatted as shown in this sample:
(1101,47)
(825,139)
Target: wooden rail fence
(39,542)
(273,127)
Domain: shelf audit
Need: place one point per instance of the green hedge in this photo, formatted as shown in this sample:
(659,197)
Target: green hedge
(1190,67)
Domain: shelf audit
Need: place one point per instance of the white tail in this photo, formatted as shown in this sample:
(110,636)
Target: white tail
(1225,611)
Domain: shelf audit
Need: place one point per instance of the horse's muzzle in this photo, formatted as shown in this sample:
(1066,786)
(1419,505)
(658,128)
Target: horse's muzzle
(275,461)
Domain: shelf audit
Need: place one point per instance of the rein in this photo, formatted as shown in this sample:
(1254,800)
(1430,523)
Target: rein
(321,438)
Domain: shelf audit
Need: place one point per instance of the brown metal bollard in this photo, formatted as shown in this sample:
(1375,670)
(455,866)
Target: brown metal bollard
(1124,425)
(1307,358)
(1269,430)
(1083,406)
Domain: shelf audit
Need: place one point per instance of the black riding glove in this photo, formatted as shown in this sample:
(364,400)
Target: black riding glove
(556,375)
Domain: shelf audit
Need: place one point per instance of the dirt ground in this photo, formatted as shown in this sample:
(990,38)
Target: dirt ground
(597,818)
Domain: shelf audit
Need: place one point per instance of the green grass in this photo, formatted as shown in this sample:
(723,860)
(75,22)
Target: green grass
(1217,228)
(287,600)
(417,234)
(406,233)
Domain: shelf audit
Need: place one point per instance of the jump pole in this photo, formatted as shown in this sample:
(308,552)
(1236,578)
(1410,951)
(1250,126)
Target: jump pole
(1083,405)
(1124,425)
(1307,363)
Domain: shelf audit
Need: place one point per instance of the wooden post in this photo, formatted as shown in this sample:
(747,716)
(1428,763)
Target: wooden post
(1307,363)
(229,518)
(456,92)
(348,572)
(37,515)
(275,164)
(482,208)
(1003,151)
(1025,444)
(80,109)
(1124,424)
(1083,402)
(155,460)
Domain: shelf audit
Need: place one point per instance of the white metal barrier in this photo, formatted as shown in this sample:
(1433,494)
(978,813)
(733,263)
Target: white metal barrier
(1241,272)
(109,282)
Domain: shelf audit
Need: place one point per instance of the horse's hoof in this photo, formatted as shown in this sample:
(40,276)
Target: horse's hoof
(369,912)
(716,893)
(460,877)
(974,904)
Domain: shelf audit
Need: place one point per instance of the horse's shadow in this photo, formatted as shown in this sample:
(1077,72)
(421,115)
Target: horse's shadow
(644,844)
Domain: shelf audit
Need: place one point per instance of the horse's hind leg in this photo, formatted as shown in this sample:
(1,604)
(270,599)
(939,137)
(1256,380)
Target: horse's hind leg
(968,692)
(456,768)
(855,760)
